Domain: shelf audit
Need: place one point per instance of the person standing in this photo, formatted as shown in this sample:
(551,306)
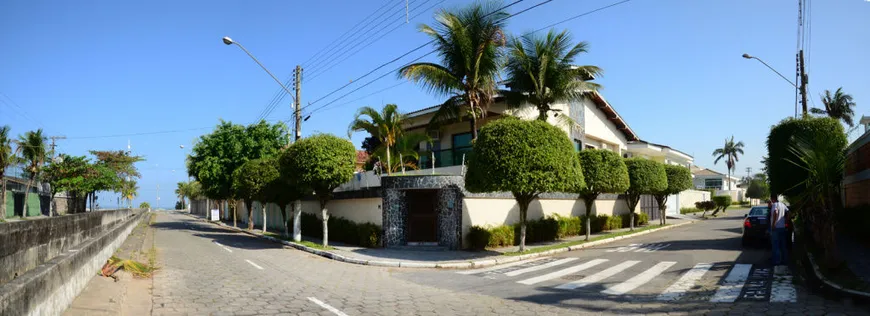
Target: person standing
(778,232)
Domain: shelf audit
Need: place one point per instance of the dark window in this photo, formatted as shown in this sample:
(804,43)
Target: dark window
(590,147)
(578,145)
(461,146)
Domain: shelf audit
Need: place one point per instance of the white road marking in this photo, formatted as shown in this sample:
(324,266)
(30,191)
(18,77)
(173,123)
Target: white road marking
(540,267)
(498,267)
(782,289)
(639,279)
(222,246)
(327,307)
(254,264)
(653,248)
(632,247)
(685,283)
(609,272)
(563,272)
(623,248)
(733,284)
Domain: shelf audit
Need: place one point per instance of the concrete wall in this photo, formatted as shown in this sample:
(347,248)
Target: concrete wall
(71,250)
(367,210)
(736,195)
(689,197)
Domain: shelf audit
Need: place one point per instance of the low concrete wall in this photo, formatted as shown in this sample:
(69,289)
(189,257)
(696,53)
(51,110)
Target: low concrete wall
(80,245)
(689,197)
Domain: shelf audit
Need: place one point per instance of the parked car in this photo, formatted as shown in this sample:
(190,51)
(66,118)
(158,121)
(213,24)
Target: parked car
(756,226)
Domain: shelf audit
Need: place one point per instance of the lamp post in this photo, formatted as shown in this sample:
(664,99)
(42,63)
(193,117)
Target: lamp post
(802,90)
(229,41)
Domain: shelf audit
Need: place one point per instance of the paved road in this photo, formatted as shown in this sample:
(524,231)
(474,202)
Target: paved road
(209,270)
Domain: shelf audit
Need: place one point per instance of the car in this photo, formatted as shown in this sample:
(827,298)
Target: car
(756,226)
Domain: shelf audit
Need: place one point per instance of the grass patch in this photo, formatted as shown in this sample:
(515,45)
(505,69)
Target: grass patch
(304,243)
(578,242)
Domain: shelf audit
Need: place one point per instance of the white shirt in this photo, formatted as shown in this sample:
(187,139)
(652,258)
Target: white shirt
(780,210)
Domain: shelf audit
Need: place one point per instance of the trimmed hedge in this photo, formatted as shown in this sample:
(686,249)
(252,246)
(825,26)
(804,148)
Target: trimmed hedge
(342,230)
(722,200)
(640,219)
(784,175)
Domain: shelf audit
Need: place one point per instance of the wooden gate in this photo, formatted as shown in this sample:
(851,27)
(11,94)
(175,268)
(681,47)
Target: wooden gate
(649,206)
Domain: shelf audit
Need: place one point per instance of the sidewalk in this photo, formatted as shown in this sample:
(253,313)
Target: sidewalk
(436,258)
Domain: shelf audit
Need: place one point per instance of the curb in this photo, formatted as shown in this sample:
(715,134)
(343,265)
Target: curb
(444,264)
(831,284)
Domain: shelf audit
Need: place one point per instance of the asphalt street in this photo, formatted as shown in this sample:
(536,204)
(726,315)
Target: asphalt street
(695,269)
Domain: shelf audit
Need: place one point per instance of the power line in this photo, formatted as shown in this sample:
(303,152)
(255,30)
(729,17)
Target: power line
(363,97)
(579,16)
(21,112)
(345,33)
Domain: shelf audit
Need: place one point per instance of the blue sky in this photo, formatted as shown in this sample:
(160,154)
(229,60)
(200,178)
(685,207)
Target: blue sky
(672,68)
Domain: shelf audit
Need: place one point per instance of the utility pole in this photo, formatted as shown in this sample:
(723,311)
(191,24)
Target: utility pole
(298,80)
(53,140)
(804,81)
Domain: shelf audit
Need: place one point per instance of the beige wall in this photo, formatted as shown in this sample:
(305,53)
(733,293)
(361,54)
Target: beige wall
(357,210)
(689,197)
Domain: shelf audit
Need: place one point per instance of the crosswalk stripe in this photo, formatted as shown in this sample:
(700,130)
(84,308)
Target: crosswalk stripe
(621,248)
(609,272)
(654,248)
(630,248)
(499,267)
(733,284)
(540,267)
(686,282)
(639,279)
(563,272)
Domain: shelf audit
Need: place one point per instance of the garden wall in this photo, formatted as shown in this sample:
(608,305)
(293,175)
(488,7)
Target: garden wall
(689,197)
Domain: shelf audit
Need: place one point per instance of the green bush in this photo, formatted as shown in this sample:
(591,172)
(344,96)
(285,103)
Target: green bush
(478,238)
(545,229)
(569,226)
(690,210)
(722,200)
(613,222)
(640,219)
(343,230)
(784,176)
(501,236)
(599,223)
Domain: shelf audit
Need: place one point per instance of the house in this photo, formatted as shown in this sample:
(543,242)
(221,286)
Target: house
(856,181)
(706,179)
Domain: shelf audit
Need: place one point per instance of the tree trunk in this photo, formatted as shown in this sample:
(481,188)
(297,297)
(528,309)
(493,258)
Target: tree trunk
(235,211)
(589,200)
(389,166)
(662,200)
(542,114)
(26,193)
(325,216)
(284,219)
(524,208)
(297,220)
(263,207)
(250,205)
(631,200)
(473,123)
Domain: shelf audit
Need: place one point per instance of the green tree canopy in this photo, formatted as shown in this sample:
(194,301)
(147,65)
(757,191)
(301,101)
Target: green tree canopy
(526,158)
(34,153)
(644,177)
(731,152)
(758,189)
(784,175)
(7,158)
(837,106)
(320,163)
(679,179)
(386,126)
(250,182)
(604,172)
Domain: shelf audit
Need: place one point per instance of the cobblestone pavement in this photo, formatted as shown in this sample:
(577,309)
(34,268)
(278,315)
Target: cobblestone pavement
(209,270)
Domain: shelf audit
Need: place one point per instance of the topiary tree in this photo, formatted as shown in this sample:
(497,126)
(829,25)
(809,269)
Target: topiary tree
(249,183)
(644,177)
(603,172)
(722,202)
(526,158)
(679,179)
(757,189)
(321,163)
(785,177)
(705,206)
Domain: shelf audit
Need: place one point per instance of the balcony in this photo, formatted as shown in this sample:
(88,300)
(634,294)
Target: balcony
(444,158)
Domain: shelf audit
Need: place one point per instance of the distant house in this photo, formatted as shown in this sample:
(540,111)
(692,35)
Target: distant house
(706,179)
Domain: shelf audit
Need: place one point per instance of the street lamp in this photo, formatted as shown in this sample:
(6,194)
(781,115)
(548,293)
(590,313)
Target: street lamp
(747,56)
(229,41)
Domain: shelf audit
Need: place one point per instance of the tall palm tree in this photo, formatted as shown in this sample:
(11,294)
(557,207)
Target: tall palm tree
(406,148)
(730,152)
(33,152)
(541,72)
(469,42)
(182,191)
(838,106)
(129,190)
(385,125)
(7,158)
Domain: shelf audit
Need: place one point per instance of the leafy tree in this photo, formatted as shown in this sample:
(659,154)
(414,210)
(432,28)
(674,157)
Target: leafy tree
(7,158)
(320,163)
(679,179)
(34,153)
(250,181)
(468,42)
(541,72)
(758,189)
(604,172)
(785,177)
(144,205)
(837,106)
(283,191)
(66,173)
(526,158)
(386,126)
(644,177)
(216,156)
(730,151)
(123,164)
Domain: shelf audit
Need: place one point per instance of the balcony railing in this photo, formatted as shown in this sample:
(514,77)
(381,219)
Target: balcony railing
(445,158)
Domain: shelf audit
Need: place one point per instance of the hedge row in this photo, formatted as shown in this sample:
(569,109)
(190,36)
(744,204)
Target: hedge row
(547,229)
(342,230)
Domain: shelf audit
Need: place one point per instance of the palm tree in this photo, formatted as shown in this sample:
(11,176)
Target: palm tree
(7,158)
(129,190)
(406,148)
(838,106)
(182,191)
(468,42)
(541,72)
(730,152)
(33,152)
(385,125)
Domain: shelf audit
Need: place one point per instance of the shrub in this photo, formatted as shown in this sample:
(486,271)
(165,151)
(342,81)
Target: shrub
(545,229)
(640,219)
(722,201)
(785,176)
(342,230)
(569,226)
(614,222)
(501,236)
(525,158)
(478,238)
(689,210)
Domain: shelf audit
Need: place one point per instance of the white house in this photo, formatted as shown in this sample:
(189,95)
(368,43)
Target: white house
(706,179)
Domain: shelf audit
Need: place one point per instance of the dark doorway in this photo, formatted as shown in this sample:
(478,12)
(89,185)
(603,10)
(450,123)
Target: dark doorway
(422,217)
(649,206)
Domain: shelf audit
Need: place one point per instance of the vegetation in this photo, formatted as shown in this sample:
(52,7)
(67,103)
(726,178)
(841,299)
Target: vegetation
(526,158)
(344,231)
(603,172)
(758,189)
(679,179)
(578,242)
(645,177)
(722,202)
(34,153)
(144,205)
(731,152)
(690,210)
(786,177)
(405,149)
(188,189)
(705,206)
(7,158)
(321,163)
(467,41)
(837,106)
(122,165)
(249,183)
(385,126)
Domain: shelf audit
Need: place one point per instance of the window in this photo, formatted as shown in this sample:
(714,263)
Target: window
(713,184)
(461,146)
(590,147)
(578,145)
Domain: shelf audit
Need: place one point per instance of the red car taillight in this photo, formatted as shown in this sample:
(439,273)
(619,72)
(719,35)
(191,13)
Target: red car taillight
(747,223)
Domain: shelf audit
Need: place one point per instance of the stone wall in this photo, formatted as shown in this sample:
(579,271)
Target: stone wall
(51,260)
